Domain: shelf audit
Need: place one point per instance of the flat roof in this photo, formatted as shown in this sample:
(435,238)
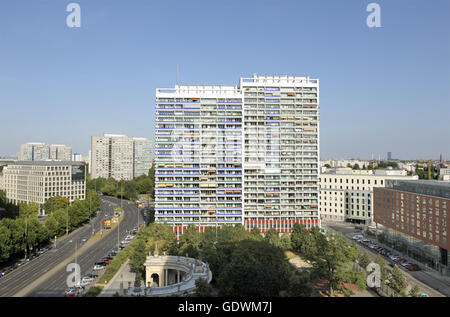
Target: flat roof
(423,187)
(46,163)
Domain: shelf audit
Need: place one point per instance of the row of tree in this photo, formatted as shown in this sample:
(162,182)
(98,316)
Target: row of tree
(128,189)
(249,264)
(25,232)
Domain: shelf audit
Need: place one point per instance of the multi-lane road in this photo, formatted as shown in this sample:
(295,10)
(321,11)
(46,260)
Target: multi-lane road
(46,275)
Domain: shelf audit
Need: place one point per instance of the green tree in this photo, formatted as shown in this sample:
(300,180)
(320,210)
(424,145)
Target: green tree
(397,281)
(272,238)
(28,209)
(364,260)
(414,291)
(333,257)
(254,269)
(137,259)
(203,288)
(190,242)
(55,203)
(383,268)
(52,226)
(5,243)
(285,241)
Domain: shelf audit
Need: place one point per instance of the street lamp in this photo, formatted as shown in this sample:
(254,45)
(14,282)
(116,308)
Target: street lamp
(67,219)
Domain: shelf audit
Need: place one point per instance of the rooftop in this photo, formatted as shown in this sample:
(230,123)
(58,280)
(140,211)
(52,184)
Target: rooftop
(423,187)
(46,163)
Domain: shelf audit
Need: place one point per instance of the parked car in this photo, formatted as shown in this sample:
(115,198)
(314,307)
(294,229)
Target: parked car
(107,259)
(413,267)
(357,237)
(87,279)
(424,295)
(2,274)
(99,266)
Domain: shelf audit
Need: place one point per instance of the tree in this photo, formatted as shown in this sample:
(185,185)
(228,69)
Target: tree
(55,203)
(301,240)
(272,238)
(190,242)
(356,166)
(203,288)
(28,209)
(383,269)
(137,259)
(364,260)
(298,285)
(397,281)
(5,243)
(414,291)
(285,241)
(333,256)
(52,226)
(254,269)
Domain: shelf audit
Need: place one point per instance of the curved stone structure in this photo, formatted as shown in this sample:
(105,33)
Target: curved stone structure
(169,275)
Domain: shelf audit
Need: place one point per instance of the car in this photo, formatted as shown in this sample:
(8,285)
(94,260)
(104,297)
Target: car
(83,240)
(106,260)
(357,237)
(87,279)
(364,241)
(413,267)
(405,264)
(99,266)
(2,274)
(424,295)
(71,292)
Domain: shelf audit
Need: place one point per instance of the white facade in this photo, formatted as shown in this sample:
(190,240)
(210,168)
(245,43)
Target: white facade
(44,152)
(247,154)
(119,156)
(37,182)
(348,194)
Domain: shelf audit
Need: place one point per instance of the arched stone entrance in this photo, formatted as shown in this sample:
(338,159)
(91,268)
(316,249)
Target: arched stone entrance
(154,280)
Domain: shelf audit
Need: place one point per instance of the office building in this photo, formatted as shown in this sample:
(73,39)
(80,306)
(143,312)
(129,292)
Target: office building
(415,216)
(119,156)
(246,154)
(44,152)
(27,181)
(347,195)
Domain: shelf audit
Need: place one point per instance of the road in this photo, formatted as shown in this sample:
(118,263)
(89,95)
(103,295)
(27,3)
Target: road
(21,280)
(428,284)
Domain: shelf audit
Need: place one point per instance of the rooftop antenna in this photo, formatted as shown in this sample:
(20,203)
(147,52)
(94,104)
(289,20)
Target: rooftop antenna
(177,76)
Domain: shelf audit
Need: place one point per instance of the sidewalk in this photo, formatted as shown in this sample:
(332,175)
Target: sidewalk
(123,276)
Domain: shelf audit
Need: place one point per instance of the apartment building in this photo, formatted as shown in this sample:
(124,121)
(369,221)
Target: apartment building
(27,181)
(43,152)
(347,195)
(246,154)
(415,216)
(119,156)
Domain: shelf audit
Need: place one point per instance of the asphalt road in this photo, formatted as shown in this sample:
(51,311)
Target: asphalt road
(426,283)
(55,285)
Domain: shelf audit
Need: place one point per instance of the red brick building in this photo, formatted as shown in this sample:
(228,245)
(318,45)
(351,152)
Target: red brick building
(418,214)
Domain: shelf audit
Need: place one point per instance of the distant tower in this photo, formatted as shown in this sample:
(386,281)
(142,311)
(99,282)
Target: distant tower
(440,159)
(429,169)
(389,156)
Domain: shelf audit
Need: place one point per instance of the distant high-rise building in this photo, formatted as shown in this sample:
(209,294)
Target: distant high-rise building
(119,156)
(44,152)
(249,155)
(389,156)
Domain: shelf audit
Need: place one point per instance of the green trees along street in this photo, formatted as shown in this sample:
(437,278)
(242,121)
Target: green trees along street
(25,231)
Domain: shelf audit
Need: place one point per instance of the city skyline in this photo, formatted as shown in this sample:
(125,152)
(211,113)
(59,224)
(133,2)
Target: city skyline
(106,72)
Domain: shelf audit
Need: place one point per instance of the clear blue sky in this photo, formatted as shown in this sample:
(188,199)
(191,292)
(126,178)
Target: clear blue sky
(382,89)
